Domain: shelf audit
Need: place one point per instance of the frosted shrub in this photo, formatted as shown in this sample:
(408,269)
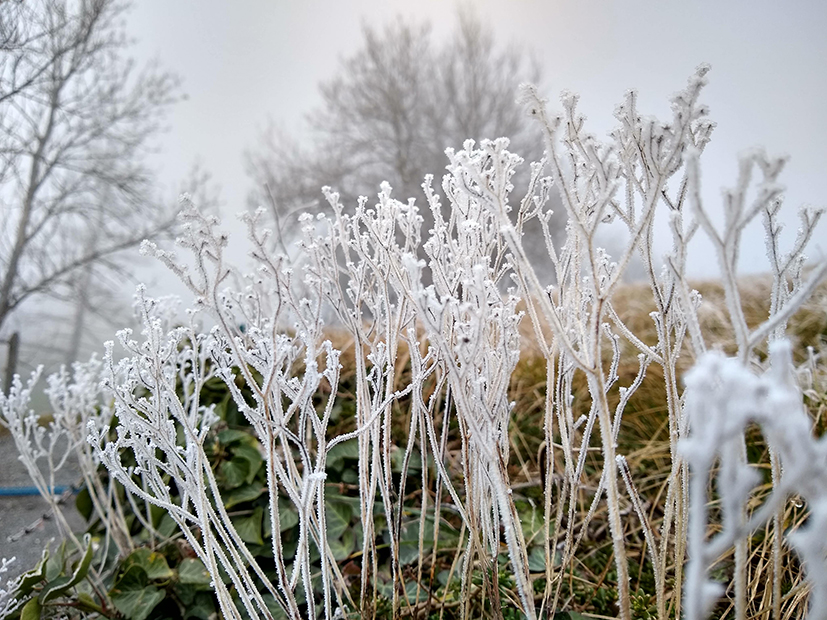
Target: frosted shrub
(157,392)
(443,308)
(474,346)
(44,450)
(8,602)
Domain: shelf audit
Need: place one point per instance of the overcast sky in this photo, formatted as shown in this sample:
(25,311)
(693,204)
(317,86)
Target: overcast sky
(247,63)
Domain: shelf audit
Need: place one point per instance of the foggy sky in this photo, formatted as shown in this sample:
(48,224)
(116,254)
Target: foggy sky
(245,64)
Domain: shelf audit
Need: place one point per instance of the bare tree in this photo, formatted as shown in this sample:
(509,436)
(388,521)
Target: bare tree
(77,120)
(390,113)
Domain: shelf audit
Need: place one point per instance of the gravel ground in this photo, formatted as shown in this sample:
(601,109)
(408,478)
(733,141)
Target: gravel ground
(26,524)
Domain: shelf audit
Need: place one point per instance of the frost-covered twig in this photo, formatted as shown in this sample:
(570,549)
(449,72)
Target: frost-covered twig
(723,398)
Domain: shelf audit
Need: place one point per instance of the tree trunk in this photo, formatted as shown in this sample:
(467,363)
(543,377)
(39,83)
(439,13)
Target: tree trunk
(76,337)
(11,361)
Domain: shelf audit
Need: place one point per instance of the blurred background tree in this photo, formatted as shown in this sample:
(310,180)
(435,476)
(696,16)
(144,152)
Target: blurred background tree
(77,121)
(390,113)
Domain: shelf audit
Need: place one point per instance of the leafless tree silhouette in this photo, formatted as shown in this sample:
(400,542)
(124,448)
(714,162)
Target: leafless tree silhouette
(390,113)
(77,119)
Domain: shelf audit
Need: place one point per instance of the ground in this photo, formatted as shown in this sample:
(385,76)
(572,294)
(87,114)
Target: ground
(26,524)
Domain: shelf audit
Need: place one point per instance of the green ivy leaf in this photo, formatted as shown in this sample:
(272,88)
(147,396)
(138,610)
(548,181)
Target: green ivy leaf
(337,516)
(412,589)
(249,527)
(398,459)
(448,535)
(31,578)
(157,514)
(442,577)
(186,593)
(203,607)
(230,436)
(409,542)
(533,525)
(83,502)
(409,537)
(220,408)
(62,584)
(168,527)
(192,571)
(537,560)
(247,493)
(133,596)
(385,588)
(252,456)
(337,454)
(235,472)
(154,564)
(343,546)
(31,610)
(232,416)
(274,608)
(288,517)
(54,565)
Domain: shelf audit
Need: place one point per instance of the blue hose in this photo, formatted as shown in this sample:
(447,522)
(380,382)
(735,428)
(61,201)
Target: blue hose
(28,491)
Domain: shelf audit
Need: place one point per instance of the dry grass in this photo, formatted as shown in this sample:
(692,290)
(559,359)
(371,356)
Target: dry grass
(644,441)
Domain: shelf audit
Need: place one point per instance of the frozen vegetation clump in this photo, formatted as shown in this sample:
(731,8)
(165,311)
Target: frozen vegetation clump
(437,320)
